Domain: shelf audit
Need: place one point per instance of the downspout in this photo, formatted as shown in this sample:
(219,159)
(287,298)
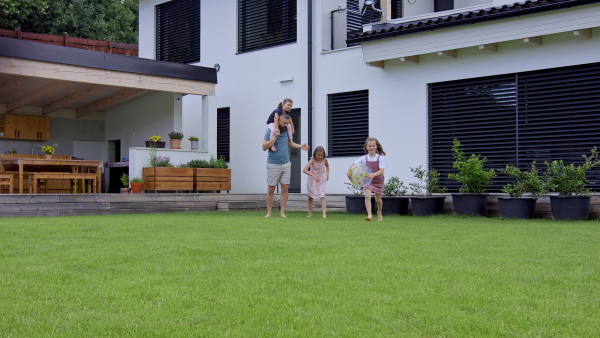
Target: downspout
(310,79)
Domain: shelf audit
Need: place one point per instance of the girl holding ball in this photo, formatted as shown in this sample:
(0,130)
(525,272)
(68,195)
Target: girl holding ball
(376,162)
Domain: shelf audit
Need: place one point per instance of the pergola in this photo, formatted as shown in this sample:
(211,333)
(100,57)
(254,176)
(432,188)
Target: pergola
(49,80)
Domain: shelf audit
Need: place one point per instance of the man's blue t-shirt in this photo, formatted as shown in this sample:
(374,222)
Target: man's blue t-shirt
(282,155)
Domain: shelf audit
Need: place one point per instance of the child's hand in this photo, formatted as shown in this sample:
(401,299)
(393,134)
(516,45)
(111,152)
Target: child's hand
(316,178)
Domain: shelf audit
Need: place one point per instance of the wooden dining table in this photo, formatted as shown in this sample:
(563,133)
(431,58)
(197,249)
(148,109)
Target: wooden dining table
(74,166)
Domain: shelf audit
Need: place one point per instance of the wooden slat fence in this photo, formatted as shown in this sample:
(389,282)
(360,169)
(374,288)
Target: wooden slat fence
(67,41)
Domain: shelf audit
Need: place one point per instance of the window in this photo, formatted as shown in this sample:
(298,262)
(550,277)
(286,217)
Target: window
(515,119)
(348,122)
(223,133)
(265,23)
(178,31)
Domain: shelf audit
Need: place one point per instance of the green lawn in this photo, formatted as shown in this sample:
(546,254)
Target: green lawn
(239,274)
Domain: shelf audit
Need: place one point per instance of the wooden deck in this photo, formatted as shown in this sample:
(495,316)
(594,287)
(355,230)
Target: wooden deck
(110,204)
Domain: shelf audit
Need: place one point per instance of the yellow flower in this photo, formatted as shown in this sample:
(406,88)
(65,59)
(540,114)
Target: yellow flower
(155,138)
(48,150)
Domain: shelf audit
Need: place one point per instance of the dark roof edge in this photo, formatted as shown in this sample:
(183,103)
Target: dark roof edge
(388,30)
(86,58)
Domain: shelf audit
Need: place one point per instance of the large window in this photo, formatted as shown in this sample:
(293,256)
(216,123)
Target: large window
(348,122)
(514,119)
(178,31)
(265,23)
(223,133)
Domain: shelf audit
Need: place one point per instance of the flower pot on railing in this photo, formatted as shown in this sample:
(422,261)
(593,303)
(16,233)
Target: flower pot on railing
(175,143)
(195,145)
(150,144)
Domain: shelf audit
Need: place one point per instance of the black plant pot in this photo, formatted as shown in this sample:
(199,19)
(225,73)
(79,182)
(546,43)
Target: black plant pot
(517,207)
(427,205)
(392,205)
(570,207)
(158,144)
(355,204)
(470,204)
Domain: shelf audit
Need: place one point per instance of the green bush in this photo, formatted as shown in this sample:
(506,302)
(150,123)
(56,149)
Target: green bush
(568,179)
(394,187)
(526,181)
(428,182)
(471,174)
(212,163)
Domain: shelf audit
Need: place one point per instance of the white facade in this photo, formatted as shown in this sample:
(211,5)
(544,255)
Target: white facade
(252,83)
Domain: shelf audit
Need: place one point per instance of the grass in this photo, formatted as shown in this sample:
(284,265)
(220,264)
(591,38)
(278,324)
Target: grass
(239,274)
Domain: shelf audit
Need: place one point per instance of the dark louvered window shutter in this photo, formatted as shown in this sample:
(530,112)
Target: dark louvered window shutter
(396,9)
(265,23)
(515,119)
(178,31)
(348,122)
(223,133)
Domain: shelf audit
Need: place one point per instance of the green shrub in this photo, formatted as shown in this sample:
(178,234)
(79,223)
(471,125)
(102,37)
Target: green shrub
(526,182)
(394,187)
(568,179)
(471,174)
(428,182)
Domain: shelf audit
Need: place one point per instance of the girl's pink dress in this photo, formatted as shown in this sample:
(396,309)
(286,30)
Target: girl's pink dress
(317,189)
(376,185)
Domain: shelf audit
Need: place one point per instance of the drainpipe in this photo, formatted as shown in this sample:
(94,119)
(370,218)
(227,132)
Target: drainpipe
(310,79)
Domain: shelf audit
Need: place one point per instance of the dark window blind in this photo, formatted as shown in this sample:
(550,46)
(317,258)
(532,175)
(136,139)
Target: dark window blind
(348,122)
(223,133)
(265,23)
(178,31)
(515,119)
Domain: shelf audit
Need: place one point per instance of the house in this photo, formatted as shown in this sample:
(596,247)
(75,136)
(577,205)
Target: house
(515,82)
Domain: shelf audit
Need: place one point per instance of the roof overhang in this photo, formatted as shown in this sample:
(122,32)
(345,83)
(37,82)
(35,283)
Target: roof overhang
(445,34)
(56,80)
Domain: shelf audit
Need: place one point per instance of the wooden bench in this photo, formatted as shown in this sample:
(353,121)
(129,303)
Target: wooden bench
(6,179)
(83,178)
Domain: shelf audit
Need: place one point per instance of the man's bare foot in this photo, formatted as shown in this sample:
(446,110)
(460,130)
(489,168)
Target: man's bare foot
(273,148)
(368,219)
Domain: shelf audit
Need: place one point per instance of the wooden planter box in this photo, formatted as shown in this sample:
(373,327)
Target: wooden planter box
(193,179)
(212,179)
(165,178)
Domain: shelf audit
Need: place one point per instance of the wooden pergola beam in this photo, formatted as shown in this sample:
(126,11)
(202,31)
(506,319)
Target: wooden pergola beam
(66,100)
(108,101)
(11,83)
(32,96)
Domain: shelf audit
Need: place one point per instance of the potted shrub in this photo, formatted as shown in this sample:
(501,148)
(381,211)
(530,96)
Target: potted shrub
(393,203)
(527,182)
(137,185)
(194,142)
(474,180)
(48,150)
(570,181)
(155,141)
(125,181)
(355,203)
(175,138)
(424,203)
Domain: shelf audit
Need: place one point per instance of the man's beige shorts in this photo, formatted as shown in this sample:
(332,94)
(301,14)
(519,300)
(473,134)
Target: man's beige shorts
(278,173)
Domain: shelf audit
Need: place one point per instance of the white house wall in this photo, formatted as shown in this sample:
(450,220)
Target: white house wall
(252,84)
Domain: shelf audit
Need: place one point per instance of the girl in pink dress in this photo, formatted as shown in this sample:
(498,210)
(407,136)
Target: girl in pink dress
(317,170)
(376,162)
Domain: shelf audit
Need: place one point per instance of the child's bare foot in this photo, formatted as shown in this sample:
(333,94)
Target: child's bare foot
(368,218)
(273,148)
(284,216)
(268,215)
(379,218)
(309,215)
(324,216)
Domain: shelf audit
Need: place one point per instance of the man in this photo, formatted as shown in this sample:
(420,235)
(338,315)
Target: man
(279,167)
